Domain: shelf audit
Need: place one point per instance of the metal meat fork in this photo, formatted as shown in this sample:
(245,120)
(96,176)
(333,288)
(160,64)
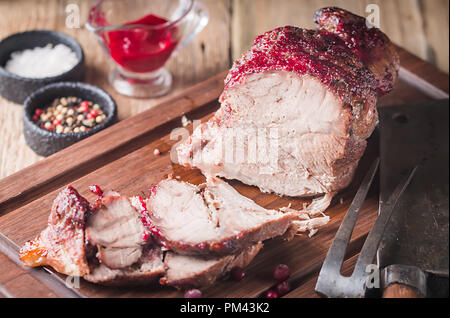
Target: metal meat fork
(331,283)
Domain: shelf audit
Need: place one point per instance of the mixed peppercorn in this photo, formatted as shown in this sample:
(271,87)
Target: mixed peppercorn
(69,115)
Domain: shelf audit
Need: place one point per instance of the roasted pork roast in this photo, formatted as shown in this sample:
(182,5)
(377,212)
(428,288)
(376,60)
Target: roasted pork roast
(298,107)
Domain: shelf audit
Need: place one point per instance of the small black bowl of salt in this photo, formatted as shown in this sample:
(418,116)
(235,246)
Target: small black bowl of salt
(33,59)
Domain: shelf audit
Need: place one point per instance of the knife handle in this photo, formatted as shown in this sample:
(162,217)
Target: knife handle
(401,291)
(400,281)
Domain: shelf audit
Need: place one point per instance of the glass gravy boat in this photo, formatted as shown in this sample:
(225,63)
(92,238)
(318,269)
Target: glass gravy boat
(140,36)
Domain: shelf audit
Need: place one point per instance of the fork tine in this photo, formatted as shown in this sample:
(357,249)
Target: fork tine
(370,246)
(338,248)
(333,262)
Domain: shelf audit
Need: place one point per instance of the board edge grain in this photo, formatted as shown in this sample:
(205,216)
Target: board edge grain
(423,75)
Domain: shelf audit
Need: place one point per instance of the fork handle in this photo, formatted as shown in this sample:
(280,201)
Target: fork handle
(401,291)
(400,281)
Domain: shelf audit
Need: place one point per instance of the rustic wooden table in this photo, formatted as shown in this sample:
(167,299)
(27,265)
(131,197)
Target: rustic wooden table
(419,26)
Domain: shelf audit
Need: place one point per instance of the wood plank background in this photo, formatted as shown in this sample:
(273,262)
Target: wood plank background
(420,26)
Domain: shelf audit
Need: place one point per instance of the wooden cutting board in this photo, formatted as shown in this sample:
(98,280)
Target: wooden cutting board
(121,158)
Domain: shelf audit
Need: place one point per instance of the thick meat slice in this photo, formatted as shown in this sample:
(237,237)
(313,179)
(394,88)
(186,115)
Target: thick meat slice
(115,227)
(212,218)
(146,270)
(61,244)
(115,223)
(297,108)
(184,271)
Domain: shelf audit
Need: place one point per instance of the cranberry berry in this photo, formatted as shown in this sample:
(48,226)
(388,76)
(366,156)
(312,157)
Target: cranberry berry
(193,293)
(283,288)
(271,294)
(238,273)
(281,272)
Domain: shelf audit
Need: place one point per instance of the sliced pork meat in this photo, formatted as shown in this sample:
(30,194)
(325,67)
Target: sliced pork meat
(116,258)
(183,271)
(107,243)
(210,219)
(298,107)
(61,244)
(116,229)
(148,269)
(115,222)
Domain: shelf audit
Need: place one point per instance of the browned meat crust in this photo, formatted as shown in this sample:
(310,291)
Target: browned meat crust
(356,62)
(62,244)
(191,272)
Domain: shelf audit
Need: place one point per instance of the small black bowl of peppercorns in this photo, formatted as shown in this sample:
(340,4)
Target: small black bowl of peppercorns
(61,114)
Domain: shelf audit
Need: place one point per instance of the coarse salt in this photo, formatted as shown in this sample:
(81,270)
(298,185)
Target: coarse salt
(40,62)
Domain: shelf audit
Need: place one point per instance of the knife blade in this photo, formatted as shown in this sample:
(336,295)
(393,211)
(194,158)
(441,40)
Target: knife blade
(417,235)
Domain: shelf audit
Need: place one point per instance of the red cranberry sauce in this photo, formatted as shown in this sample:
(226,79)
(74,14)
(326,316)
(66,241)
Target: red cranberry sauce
(140,49)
